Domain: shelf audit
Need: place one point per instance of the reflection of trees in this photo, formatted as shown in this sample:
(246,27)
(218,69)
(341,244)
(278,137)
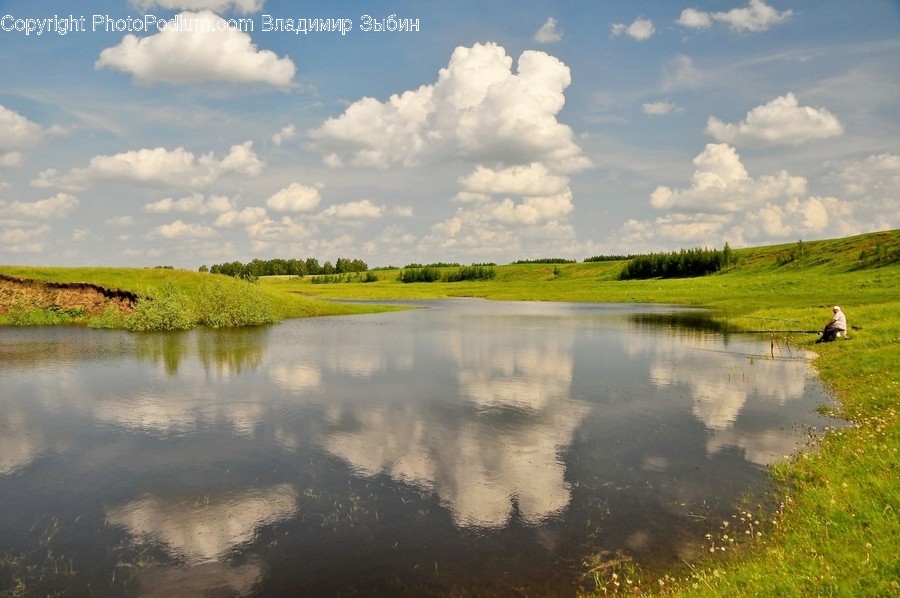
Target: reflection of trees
(207,529)
(166,348)
(231,351)
(225,351)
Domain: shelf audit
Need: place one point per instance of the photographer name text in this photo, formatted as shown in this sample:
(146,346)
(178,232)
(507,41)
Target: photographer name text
(200,23)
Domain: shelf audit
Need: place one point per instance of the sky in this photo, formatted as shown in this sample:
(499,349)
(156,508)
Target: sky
(189,132)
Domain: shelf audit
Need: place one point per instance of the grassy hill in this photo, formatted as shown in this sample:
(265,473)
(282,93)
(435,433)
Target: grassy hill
(837,526)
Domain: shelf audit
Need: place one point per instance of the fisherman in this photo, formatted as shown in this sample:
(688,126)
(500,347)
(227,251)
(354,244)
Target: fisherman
(835,327)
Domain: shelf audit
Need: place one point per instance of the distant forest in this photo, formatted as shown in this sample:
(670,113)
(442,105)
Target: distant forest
(683,263)
(677,264)
(290,267)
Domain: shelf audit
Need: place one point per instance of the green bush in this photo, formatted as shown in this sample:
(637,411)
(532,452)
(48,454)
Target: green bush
(23,315)
(426,274)
(168,309)
(470,273)
(112,317)
(233,302)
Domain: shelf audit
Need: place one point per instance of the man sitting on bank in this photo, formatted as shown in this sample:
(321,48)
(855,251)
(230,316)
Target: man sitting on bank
(834,328)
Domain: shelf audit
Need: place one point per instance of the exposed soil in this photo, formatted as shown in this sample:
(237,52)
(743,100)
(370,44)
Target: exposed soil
(38,294)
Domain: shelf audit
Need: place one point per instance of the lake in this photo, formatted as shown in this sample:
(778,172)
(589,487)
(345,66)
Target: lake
(462,447)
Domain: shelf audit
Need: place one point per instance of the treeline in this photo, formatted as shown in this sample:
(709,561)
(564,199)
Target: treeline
(434,265)
(545,260)
(609,258)
(282,267)
(369,276)
(677,264)
(433,274)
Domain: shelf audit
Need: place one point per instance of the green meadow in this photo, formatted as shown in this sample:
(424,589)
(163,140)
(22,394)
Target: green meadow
(833,523)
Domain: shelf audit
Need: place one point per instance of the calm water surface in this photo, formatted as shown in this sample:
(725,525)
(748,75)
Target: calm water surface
(470,447)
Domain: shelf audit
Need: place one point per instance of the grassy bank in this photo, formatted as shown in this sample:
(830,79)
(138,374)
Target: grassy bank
(167,299)
(836,530)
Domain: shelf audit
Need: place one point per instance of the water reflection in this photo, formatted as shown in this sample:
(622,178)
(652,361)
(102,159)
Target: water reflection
(480,439)
(205,529)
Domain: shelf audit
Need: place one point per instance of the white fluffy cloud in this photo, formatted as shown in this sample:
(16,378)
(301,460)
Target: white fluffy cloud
(548,33)
(781,121)
(246,217)
(196,203)
(197,55)
(23,239)
(724,203)
(755,17)
(721,184)
(218,6)
(20,134)
(354,210)
(478,110)
(798,217)
(58,206)
(158,166)
(182,230)
(286,133)
(294,198)
(641,29)
(694,19)
(530,179)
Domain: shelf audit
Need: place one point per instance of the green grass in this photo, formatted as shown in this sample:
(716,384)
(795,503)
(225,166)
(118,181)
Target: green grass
(189,298)
(836,529)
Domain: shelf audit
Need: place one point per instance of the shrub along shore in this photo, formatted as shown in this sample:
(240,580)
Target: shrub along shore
(835,529)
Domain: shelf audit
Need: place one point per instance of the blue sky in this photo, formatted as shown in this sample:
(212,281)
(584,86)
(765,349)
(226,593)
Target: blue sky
(496,131)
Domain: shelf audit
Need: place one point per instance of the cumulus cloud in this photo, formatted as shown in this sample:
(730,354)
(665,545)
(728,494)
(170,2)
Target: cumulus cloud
(58,206)
(218,6)
(482,112)
(286,229)
(659,108)
(721,184)
(878,175)
(548,33)
(755,17)
(198,55)
(286,133)
(781,121)
(157,166)
(244,217)
(354,210)
(724,203)
(182,230)
(641,29)
(695,19)
(478,110)
(196,203)
(797,217)
(23,239)
(19,135)
(294,198)
(530,179)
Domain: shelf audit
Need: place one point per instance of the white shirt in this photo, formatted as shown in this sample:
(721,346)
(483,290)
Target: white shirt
(839,321)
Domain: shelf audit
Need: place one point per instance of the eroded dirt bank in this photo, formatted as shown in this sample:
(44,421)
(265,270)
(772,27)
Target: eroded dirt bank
(37,294)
